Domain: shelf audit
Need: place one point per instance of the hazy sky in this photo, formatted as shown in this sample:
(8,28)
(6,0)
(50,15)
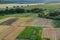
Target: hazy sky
(51,0)
(36,0)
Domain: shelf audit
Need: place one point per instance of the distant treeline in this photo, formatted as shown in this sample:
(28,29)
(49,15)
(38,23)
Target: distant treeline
(19,10)
(47,13)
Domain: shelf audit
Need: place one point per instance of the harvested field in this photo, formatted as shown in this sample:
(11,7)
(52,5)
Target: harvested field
(52,33)
(42,22)
(57,33)
(49,33)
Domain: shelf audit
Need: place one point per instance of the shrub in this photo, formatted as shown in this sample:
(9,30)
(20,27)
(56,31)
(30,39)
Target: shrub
(17,6)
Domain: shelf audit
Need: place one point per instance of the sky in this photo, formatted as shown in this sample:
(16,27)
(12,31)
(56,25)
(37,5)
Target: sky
(51,0)
(35,0)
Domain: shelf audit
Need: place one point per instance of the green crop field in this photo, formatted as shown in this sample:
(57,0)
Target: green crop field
(31,32)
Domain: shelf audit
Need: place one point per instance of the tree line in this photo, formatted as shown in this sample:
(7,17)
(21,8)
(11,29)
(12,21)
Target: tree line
(18,11)
(47,13)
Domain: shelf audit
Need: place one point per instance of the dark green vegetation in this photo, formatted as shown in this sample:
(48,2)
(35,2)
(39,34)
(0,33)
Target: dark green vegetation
(18,10)
(56,23)
(42,12)
(31,33)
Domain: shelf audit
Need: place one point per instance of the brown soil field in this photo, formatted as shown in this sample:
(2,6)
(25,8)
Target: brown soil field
(7,32)
(57,33)
(16,28)
(3,28)
(49,33)
(46,23)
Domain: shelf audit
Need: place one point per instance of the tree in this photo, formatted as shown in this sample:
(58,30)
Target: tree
(19,10)
(17,6)
(12,11)
(6,7)
(14,6)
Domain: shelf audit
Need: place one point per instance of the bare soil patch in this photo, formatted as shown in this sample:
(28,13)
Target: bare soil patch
(42,22)
(49,33)
(57,33)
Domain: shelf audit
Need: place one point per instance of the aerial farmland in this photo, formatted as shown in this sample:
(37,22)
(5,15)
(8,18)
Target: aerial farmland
(29,22)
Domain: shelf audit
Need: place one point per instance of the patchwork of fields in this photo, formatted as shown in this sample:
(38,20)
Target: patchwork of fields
(10,32)
(28,26)
(25,29)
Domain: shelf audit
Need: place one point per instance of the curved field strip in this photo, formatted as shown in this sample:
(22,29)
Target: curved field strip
(9,22)
(22,22)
